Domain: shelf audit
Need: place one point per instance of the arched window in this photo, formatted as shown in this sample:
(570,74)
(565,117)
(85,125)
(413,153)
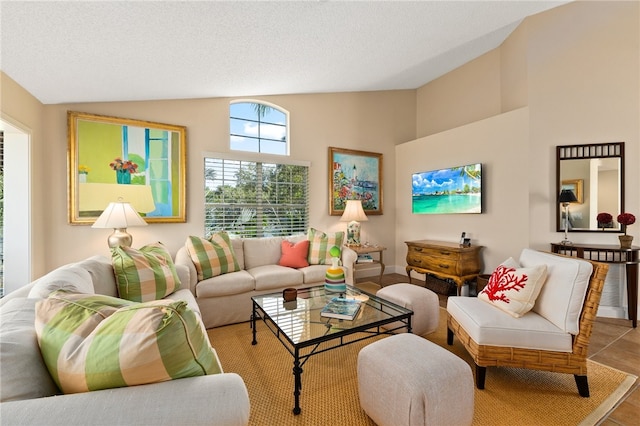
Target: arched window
(258,127)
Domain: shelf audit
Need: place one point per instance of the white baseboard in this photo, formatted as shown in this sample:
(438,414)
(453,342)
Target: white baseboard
(612,312)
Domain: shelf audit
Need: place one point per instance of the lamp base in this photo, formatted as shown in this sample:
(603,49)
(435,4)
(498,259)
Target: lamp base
(566,243)
(353,233)
(120,237)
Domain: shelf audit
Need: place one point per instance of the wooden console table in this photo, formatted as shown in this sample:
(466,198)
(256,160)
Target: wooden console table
(610,254)
(443,259)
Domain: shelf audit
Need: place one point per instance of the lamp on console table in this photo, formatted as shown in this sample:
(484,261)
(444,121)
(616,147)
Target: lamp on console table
(119,216)
(566,197)
(354,214)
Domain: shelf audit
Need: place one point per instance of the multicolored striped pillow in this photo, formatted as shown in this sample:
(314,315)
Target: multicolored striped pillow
(92,342)
(145,274)
(320,244)
(212,257)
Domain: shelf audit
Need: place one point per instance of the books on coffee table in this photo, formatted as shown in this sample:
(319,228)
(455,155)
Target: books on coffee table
(341,308)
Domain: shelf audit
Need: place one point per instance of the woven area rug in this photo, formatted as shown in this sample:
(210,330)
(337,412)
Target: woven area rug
(330,389)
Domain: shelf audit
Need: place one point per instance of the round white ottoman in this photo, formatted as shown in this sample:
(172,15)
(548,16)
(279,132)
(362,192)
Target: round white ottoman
(423,302)
(407,380)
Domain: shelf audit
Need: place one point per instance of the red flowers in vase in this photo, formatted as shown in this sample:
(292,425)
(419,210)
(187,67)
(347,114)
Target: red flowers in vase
(626,219)
(119,165)
(604,220)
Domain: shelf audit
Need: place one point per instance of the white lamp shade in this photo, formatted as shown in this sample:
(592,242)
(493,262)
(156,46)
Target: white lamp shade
(119,215)
(353,211)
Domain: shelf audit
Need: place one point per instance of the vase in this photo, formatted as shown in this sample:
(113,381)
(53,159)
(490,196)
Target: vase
(82,178)
(123,177)
(625,241)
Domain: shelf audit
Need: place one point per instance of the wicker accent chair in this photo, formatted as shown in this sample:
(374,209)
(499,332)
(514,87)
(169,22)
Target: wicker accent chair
(571,360)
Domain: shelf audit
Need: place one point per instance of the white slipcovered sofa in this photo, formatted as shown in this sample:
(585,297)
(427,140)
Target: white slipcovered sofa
(29,396)
(226,299)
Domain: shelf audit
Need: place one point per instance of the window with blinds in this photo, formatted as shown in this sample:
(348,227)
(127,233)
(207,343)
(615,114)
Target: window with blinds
(254,198)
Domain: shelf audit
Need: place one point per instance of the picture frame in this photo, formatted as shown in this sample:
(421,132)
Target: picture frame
(120,159)
(576,186)
(355,175)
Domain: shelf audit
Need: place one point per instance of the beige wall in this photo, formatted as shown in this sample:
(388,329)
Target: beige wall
(576,68)
(494,142)
(371,121)
(20,109)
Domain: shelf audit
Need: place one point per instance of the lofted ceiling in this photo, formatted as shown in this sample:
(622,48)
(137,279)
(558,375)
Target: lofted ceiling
(98,51)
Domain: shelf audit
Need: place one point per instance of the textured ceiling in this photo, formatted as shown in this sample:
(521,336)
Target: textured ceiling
(90,51)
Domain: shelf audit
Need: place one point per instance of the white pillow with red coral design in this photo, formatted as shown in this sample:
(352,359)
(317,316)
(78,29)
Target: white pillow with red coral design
(514,289)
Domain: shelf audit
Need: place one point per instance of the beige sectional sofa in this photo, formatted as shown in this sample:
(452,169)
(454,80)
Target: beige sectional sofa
(226,299)
(29,395)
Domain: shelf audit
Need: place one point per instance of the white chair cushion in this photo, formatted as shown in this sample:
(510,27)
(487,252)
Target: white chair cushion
(488,325)
(102,276)
(238,249)
(224,285)
(262,251)
(70,277)
(561,299)
(314,273)
(275,277)
(24,374)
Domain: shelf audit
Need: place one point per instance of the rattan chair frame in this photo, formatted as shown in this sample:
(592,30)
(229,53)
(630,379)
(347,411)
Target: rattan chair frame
(574,362)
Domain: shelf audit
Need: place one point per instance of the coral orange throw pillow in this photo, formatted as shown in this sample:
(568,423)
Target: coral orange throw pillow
(294,255)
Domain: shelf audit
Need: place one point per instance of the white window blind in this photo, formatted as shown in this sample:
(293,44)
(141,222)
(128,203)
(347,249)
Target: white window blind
(252,198)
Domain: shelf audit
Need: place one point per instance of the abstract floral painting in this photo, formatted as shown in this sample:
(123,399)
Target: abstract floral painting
(355,175)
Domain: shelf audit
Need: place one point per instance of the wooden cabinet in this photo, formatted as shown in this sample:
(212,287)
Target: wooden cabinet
(443,259)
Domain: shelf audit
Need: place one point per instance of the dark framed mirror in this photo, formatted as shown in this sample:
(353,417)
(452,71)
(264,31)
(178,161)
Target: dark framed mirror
(595,174)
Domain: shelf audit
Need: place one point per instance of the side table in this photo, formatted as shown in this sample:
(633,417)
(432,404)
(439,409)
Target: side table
(610,254)
(368,249)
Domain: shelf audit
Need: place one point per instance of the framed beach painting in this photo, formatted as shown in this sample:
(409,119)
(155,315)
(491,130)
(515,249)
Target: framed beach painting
(355,175)
(120,159)
(447,190)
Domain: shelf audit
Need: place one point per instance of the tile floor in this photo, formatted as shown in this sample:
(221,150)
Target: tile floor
(613,342)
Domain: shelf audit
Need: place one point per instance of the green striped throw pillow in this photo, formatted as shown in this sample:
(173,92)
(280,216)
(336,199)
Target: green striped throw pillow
(212,257)
(145,274)
(320,244)
(92,342)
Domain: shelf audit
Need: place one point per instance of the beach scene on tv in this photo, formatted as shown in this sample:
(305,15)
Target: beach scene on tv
(449,190)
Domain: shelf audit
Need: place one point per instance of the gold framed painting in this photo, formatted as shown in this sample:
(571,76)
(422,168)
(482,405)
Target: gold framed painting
(355,175)
(575,185)
(121,159)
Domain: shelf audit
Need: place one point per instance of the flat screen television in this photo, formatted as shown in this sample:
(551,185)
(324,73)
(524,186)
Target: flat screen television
(450,190)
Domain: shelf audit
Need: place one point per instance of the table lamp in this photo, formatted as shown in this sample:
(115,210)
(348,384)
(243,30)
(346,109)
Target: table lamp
(119,216)
(354,214)
(566,197)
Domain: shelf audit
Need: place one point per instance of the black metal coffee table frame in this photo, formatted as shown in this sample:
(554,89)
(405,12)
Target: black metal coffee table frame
(302,351)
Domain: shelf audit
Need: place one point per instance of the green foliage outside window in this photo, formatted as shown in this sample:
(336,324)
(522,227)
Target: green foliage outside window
(255,199)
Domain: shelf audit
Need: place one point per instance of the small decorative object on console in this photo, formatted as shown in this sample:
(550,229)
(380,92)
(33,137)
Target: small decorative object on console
(334,280)
(341,308)
(626,219)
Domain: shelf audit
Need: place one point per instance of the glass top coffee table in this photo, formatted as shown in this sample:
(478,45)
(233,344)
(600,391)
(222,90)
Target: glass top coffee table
(304,332)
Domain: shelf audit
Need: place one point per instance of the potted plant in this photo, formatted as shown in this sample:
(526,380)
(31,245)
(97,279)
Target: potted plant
(604,220)
(626,219)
